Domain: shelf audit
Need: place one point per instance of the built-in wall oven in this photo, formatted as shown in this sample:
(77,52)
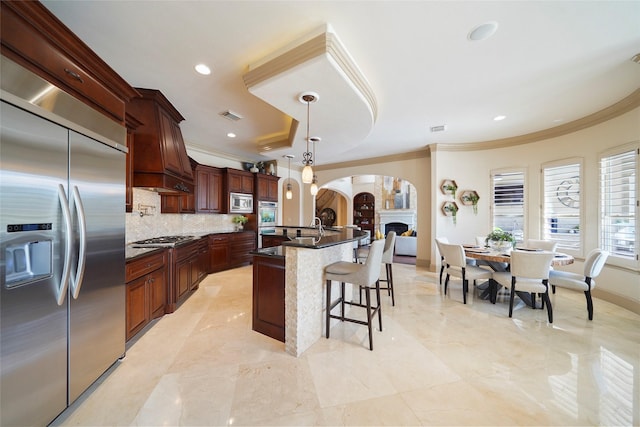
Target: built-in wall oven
(267,219)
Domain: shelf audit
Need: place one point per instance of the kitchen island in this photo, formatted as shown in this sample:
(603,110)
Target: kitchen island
(300,261)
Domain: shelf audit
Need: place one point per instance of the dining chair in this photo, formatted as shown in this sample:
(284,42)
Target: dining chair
(367,277)
(439,241)
(585,282)
(545,245)
(456,265)
(387,260)
(529,273)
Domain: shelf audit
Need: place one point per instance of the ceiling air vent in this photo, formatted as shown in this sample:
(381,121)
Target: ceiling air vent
(231,115)
(440,128)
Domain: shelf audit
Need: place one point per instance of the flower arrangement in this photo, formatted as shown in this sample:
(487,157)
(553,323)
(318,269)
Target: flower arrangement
(499,239)
(240,221)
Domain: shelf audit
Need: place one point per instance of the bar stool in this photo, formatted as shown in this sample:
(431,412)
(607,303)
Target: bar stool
(387,260)
(362,275)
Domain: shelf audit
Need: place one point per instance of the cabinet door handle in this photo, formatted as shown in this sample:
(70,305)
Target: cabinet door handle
(74,75)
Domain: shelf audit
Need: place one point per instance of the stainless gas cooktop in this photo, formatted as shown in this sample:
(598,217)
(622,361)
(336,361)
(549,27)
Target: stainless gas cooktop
(161,242)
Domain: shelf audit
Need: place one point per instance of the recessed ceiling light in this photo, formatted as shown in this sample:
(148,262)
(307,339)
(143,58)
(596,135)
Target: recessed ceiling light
(231,135)
(558,120)
(498,118)
(203,69)
(483,31)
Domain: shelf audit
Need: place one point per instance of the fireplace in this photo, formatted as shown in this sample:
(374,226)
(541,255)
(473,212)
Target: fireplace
(406,217)
(398,227)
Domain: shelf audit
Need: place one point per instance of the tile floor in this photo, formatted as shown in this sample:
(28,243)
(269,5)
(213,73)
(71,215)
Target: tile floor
(437,362)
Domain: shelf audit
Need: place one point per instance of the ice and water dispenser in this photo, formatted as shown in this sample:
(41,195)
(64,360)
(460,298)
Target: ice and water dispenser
(28,256)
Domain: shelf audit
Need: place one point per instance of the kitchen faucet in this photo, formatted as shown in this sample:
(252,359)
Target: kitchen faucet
(317,222)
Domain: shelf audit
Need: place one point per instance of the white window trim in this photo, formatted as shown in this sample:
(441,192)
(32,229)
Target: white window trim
(583,193)
(612,259)
(525,190)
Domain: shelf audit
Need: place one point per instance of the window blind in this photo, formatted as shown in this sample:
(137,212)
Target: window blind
(619,205)
(508,203)
(562,211)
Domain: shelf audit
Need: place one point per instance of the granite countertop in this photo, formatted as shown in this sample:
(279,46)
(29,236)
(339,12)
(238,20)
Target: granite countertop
(132,253)
(308,236)
(274,251)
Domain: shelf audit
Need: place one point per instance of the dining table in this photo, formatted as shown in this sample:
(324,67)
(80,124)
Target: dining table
(501,260)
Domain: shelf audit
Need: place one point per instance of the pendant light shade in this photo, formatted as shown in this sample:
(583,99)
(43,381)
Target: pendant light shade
(307,174)
(307,157)
(289,193)
(314,186)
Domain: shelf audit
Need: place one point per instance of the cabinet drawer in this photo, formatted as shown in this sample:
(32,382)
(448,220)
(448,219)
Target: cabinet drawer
(218,240)
(142,266)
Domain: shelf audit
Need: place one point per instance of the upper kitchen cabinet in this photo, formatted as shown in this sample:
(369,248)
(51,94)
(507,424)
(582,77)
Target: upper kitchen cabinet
(160,160)
(209,190)
(266,187)
(239,181)
(35,39)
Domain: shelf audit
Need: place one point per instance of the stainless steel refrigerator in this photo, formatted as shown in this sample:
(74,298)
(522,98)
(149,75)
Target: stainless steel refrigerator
(62,262)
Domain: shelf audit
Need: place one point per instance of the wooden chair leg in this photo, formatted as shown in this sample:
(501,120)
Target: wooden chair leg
(446,282)
(379,306)
(587,294)
(545,296)
(328,307)
(342,301)
(513,292)
(367,294)
(390,277)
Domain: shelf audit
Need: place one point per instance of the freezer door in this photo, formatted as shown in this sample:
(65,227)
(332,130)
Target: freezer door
(97,289)
(33,327)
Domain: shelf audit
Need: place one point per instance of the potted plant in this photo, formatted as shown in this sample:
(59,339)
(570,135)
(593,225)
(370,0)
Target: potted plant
(451,209)
(451,188)
(500,240)
(239,221)
(471,197)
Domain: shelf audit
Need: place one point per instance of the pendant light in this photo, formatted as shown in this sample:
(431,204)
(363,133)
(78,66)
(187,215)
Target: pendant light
(307,157)
(289,193)
(314,180)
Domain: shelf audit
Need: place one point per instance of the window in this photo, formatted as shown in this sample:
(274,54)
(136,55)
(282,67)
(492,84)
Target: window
(619,204)
(507,207)
(561,204)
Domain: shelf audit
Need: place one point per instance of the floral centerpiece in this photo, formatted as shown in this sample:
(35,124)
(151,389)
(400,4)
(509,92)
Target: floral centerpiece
(240,221)
(500,240)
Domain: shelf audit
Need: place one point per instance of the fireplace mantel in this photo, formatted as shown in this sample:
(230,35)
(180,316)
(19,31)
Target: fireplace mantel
(406,216)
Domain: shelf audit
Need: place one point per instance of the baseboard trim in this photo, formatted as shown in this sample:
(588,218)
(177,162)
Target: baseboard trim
(620,300)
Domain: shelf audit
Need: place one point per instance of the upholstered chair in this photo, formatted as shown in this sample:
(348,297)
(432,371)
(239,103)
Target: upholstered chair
(366,276)
(456,265)
(585,282)
(529,273)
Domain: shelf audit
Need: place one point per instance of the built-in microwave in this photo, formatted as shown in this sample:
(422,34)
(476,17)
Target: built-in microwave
(240,203)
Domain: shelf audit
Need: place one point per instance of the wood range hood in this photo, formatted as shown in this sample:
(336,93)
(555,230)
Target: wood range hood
(160,161)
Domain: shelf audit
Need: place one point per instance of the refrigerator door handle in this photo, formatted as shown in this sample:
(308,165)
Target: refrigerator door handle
(76,279)
(66,269)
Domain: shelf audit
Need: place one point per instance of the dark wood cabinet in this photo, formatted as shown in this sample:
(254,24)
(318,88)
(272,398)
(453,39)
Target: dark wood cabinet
(186,261)
(230,250)
(146,294)
(159,155)
(240,246)
(34,38)
(268,296)
(131,123)
(239,181)
(269,241)
(266,187)
(177,203)
(364,209)
(209,189)
(218,252)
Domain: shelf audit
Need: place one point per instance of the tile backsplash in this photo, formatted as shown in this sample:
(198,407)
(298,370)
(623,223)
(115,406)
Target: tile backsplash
(155,224)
